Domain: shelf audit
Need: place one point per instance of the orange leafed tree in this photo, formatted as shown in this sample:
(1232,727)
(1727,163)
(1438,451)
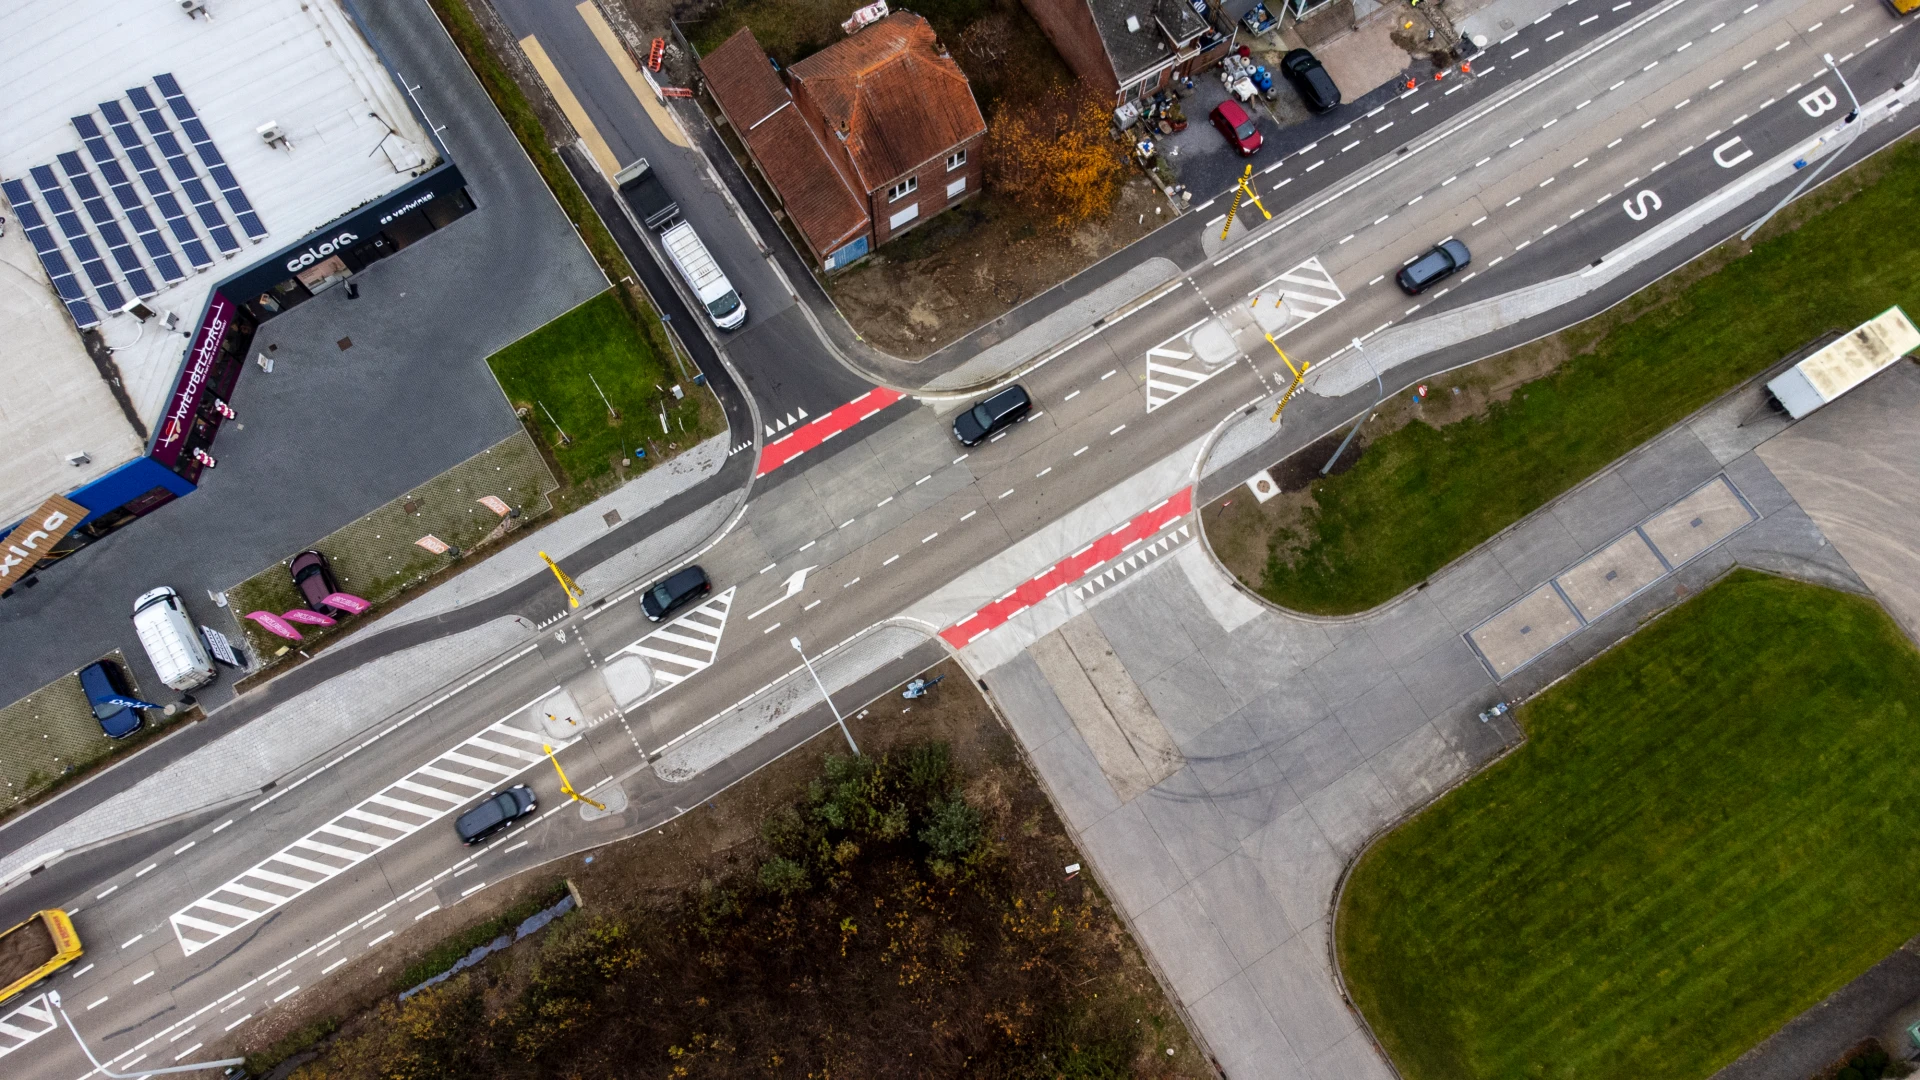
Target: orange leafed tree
(1054,154)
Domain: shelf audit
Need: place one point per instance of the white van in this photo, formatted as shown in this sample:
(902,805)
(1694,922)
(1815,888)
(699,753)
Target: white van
(171,640)
(703,276)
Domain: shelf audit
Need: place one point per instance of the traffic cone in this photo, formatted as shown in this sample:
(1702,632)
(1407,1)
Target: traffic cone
(1438,75)
(1410,83)
(1466,68)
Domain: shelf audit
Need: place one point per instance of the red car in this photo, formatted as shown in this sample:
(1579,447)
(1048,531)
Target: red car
(314,578)
(1237,126)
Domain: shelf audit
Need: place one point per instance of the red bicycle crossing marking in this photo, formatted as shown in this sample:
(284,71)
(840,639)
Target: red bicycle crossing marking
(813,433)
(1070,569)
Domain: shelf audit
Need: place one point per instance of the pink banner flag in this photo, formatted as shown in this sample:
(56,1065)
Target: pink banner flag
(275,624)
(496,504)
(346,602)
(433,543)
(311,618)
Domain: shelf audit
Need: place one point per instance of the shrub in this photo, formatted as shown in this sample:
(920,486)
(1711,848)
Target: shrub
(953,828)
(782,876)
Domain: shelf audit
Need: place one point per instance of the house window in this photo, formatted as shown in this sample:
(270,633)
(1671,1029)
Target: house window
(956,159)
(956,187)
(904,216)
(903,189)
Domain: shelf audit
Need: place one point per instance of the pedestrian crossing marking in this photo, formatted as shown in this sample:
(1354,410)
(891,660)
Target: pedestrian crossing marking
(681,649)
(359,833)
(31,1020)
(1138,559)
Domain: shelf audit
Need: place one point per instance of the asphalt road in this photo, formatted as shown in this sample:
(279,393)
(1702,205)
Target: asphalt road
(837,542)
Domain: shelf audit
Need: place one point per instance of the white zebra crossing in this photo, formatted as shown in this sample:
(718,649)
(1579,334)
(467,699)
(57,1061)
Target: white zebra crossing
(1308,289)
(671,655)
(482,762)
(25,1024)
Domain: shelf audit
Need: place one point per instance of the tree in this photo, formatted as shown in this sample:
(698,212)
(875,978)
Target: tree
(1054,154)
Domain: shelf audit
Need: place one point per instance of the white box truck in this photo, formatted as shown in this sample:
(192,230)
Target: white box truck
(1872,347)
(710,287)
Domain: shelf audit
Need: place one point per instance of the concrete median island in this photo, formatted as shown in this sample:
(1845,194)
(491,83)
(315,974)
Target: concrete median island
(1493,442)
(1699,840)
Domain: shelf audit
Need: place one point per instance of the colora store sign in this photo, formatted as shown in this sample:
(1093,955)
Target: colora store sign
(177,422)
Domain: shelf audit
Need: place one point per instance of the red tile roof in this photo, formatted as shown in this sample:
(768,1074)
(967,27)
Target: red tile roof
(894,93)
(816,191)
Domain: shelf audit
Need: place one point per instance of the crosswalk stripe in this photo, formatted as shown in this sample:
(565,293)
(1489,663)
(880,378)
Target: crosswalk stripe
(434,792)
(698,643)
(504,751)
(667,657)
(454,777)
(404,806)
(218,929)
(277,879)
(251,893)
(476,763)
(234,910)
(368,839)
(404,828)
(305,864)
(311,844)
(504,728)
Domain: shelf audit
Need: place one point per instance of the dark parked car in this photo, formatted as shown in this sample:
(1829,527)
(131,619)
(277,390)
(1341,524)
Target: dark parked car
(1007,407)
(1422,273)
(1306,74)
(495,812)
(314,578)
(667,597)
(103,682)
(1238,127)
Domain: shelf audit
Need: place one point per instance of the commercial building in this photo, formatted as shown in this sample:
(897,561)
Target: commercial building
(175,174)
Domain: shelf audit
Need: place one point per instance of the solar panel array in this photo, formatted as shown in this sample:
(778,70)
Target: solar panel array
(93,260)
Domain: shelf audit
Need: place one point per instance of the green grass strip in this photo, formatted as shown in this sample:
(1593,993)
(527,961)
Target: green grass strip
(1703,836)
(1422,497)
(448,952)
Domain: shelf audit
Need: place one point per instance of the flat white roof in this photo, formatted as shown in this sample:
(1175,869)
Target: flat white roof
(190,93)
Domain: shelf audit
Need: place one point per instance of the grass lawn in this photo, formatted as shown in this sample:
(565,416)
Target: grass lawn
(1421,497)
(1707,831)
(552,373)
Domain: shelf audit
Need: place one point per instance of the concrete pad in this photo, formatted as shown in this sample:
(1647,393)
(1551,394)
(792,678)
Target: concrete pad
(1075,779)
(1283,712)
(1107,709)
(1254,797)
(1536,548)
(1136,624)
(557,716)
(1669,467)
(1028,702)
(1297,989)
(1697,522)
(1761,488)
(1419,766)
(1363,59)
(1351,669)
(1408,628)
(1852,466)
(1298,863)
(1235,899)
(1190,950)
(1189,826)
(1356,1058)
(1601,508)
(1319,756)
(1241,1031)
(629,678)
(1190,697)
(1222,752)
(1608,576)
(1446,676)
(1382,716)
(1134,865)
(1525,630)
(1472,589)
(1229,607)
(1353,808)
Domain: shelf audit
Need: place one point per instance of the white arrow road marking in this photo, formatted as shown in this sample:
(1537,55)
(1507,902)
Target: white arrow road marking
(795,582)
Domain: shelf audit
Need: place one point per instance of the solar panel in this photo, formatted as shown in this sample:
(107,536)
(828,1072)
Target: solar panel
(109,226)
(210,155)
(129,200)
(183,169)
(156,184)
(78,239)
(44,245)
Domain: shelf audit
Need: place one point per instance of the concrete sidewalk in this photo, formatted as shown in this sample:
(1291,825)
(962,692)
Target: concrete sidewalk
(1273,748)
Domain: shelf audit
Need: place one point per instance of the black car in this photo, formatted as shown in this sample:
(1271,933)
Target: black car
(1007,407)
(314,578)
(1442,262)
(103,682)
(1307,75)
(667,597)
(495,812)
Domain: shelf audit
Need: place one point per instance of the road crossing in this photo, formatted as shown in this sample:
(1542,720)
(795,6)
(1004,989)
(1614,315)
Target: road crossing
(481,763)
(25,1024)
(1309,291)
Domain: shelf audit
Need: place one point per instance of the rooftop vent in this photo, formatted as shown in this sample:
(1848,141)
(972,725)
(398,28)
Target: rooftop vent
(194,7)
(1133,24)
(271,134)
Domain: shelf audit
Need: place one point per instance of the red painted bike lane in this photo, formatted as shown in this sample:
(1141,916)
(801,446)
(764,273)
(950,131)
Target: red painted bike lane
(814,432)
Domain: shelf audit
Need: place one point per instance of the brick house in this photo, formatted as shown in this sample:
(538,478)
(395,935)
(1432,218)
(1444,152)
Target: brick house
(1131,48)
(866,138)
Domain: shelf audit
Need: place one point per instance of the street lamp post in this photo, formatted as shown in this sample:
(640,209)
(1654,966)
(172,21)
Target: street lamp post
(1342,448)
(53,998)
(837,718)
(1844,85)
(1824,162)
